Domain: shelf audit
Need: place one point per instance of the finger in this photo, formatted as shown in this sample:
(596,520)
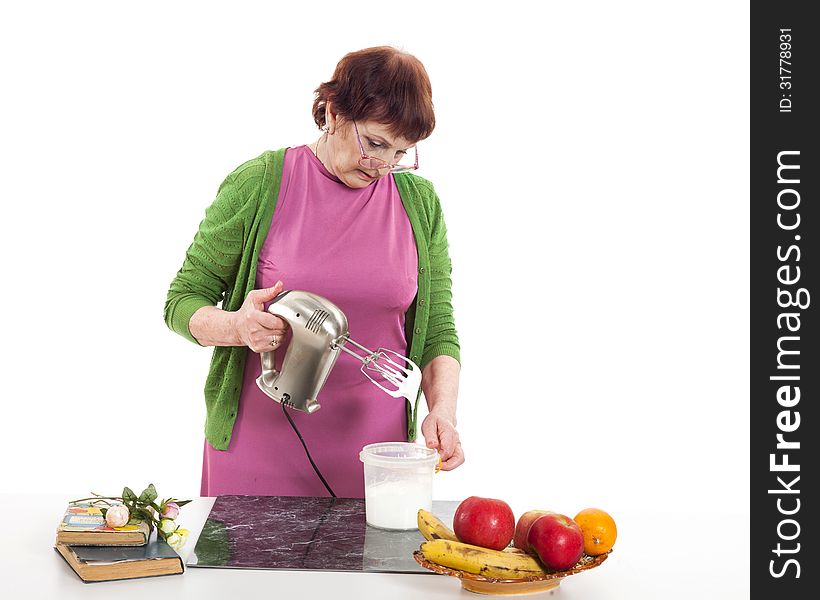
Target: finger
(266,342)
(259,346)
(455,460)
(259,297)
(448,441)
(271,322)
(260,328)
(267,338)
(429,429)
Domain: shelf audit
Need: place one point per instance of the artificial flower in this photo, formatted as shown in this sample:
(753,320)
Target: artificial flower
(170,510)
(117,516)
(177,539)
(143,508)
(167,526)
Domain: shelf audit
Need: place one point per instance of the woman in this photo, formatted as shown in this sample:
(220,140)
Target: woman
(341,218)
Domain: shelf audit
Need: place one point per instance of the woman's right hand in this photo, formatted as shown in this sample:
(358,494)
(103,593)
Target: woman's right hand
(255,327)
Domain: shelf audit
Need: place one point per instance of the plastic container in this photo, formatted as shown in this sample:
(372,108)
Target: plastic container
(398,481)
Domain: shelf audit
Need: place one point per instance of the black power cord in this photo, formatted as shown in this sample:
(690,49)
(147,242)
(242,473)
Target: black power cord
(301,439)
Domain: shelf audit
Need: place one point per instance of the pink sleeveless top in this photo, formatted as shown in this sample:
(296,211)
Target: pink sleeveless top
(356,248)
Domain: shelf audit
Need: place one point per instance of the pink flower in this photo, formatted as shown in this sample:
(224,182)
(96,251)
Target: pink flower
(117,515)
(170,510)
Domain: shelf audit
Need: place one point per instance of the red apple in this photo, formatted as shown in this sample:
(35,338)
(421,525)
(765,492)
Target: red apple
(522,528)
(484,522)
(557,540)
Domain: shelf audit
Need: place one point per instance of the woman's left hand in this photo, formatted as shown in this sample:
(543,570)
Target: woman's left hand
(440,434)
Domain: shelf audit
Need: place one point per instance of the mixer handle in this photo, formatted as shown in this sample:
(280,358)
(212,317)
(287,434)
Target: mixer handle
(269,372)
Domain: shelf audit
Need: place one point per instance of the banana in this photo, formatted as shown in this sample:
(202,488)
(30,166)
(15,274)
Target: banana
(433,528)
(481,561)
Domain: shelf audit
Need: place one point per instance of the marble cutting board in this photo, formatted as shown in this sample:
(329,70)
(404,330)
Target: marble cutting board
(305,533)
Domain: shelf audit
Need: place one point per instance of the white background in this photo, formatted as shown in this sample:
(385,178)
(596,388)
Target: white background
(592,161)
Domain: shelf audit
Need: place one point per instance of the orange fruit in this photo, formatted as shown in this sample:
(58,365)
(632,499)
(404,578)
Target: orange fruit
(599,530)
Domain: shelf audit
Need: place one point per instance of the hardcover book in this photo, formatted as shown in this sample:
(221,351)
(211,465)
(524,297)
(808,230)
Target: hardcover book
(107,563)
(84,524)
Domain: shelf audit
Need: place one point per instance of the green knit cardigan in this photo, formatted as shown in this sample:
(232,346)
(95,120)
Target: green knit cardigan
(220,266)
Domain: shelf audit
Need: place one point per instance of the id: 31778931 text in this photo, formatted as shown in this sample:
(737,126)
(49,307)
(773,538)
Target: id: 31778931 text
(786,70)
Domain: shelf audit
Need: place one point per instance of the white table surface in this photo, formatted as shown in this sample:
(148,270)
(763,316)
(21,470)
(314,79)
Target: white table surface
(697,568)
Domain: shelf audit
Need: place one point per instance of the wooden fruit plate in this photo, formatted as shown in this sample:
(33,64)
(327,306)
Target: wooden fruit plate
(509,587)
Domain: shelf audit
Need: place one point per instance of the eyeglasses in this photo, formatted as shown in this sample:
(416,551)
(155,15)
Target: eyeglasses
(369,162)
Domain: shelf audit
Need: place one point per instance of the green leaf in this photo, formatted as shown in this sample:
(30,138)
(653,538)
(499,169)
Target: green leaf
(148,495)
(143,514)
(128,495)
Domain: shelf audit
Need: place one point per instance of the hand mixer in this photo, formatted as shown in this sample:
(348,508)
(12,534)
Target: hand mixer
(320,333)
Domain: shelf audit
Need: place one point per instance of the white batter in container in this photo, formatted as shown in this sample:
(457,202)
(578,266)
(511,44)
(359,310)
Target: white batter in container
(398,481)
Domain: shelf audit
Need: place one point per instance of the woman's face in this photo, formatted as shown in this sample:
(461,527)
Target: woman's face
(340,152)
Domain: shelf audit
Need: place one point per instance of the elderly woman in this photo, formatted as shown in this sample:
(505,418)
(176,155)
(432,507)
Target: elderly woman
(344,218)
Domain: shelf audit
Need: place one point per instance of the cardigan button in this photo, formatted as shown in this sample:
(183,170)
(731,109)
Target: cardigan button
(421,301)
(421,269)
(418,329)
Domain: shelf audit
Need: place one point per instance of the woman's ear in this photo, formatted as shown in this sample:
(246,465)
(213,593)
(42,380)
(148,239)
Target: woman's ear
(330,118)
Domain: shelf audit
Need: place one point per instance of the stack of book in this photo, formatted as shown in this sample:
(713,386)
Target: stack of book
(97,552)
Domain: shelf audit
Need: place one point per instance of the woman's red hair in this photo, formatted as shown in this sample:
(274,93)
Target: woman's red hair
(380,84)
